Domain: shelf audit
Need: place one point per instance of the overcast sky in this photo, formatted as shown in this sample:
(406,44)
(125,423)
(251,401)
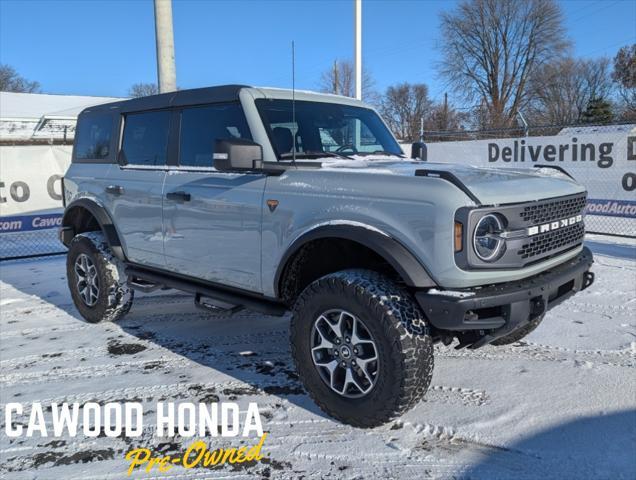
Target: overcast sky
(95,47)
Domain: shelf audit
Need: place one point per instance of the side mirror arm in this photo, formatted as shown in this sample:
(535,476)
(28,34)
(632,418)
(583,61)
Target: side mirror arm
(419,151)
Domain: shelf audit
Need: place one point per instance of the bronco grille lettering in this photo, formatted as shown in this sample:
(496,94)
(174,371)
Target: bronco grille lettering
(551,226)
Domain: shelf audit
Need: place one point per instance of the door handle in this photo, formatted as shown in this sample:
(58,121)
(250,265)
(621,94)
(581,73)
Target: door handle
(114,189)
(179,196)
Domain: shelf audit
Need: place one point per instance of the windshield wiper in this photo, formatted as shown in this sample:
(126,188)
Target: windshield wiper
(312,154)
(380,152)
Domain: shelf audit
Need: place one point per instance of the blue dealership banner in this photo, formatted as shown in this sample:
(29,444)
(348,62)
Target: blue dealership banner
(27,223)
(611,208)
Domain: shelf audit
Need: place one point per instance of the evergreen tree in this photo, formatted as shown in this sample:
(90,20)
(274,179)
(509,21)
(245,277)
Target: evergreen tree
(598,110)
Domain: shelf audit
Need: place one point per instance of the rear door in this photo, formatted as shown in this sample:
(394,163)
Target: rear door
(134,190)
(213,219)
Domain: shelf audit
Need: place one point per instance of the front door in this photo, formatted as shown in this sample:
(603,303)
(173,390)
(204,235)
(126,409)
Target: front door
(212,220)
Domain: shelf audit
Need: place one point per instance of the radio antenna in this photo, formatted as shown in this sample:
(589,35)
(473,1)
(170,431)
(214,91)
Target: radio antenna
(293,51)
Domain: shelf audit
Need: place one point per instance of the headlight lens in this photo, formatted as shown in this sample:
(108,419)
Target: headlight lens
(486,241)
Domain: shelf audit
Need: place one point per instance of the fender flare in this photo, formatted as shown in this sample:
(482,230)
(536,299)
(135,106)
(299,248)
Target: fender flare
(104,221)
(397,255)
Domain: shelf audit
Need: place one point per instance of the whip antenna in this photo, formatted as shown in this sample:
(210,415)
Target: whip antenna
(293,103)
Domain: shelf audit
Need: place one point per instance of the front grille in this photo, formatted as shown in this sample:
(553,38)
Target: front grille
(553,210)
(545,243)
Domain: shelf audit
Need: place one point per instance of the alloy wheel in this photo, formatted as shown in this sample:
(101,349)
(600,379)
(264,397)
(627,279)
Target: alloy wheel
(345,353)
(87,279)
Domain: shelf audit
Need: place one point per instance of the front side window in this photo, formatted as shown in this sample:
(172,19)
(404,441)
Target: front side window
(202,126)
(319,128)
(94,132)
(145,140)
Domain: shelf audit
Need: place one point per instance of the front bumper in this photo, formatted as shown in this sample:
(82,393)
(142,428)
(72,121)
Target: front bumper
(495,311)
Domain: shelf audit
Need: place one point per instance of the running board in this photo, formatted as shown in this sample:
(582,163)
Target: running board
(215,306)
(211,292)
(143,286)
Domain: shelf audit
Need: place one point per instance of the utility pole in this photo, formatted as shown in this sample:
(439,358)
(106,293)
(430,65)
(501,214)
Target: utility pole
(357,45)
(166,71)
(335,77)
(445,120)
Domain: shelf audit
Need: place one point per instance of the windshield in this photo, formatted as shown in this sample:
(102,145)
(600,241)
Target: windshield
(324,130)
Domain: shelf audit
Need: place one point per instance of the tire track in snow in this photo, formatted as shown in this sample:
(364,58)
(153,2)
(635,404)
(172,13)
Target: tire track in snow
(92,371)
(527,351)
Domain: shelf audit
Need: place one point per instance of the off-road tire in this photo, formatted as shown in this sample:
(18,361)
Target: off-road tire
(519,334)
(115,297)
(399,328)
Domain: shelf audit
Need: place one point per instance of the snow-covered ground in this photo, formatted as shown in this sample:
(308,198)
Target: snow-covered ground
(560,404)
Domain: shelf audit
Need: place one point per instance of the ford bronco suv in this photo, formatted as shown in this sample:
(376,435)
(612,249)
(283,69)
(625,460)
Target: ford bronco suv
(278,201)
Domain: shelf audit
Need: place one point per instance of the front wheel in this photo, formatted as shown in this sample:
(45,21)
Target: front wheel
(96,279)
(361,346)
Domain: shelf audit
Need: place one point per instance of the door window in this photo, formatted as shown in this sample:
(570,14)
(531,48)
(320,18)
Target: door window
(202,126)
(145,140)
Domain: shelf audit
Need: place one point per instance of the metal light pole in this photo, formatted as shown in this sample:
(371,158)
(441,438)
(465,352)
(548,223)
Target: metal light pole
(357,45)
(166,71)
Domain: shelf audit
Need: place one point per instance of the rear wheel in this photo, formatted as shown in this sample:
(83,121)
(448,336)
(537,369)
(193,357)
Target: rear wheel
(361,347)
(96,279)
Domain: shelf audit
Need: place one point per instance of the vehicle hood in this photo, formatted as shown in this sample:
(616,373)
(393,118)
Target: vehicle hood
(492,186)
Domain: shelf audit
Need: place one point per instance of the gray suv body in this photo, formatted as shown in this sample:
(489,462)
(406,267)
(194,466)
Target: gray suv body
(276,200)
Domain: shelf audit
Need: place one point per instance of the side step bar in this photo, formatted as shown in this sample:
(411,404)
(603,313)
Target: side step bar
(144,278)
(215,306)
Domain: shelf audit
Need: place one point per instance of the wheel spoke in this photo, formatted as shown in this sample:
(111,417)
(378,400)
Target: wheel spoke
(355,334)
(324,342)
(331,368)
(337,327)
(363,363)
(350,379)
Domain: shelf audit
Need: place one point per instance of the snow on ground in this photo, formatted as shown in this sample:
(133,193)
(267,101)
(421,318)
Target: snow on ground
(560,404)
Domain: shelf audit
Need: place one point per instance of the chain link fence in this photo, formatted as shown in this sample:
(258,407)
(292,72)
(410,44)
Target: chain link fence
(601,157)
(434,136)
(30,244)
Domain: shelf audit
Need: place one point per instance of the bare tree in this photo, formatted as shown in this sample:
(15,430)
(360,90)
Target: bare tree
(12,81)
(562,90)
(491,47)
(624,75)
(340,80)
(143,90)
(444,117)
(404,106)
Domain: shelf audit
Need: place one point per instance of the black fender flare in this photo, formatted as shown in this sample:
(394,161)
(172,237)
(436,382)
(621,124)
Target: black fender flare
(397,255)
(104,221)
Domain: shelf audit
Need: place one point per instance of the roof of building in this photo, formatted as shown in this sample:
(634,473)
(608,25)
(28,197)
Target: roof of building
(38,105)
(28,117)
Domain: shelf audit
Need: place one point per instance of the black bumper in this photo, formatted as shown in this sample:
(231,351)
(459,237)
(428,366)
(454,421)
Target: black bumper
(497,310)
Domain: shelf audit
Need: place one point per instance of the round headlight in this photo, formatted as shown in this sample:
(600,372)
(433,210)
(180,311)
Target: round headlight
(487,243)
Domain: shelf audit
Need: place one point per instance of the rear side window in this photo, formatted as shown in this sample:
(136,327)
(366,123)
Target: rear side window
(201,126)
(94,132)
(145,141)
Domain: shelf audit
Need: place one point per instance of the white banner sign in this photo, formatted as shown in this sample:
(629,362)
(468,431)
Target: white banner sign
(31,179)
(604,162)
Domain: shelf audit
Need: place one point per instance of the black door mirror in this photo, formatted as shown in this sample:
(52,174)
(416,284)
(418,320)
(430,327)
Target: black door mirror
(237,155)
(418,150)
